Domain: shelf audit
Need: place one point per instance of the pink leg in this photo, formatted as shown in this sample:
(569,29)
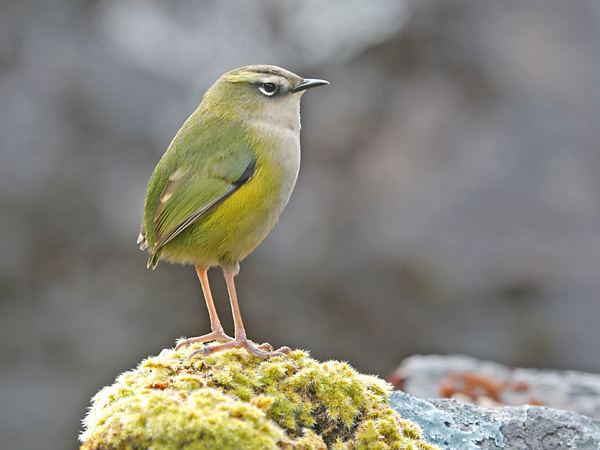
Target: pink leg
(217,333)
(240,341)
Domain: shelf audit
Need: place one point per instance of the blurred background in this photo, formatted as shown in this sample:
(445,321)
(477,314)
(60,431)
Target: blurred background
(449,198)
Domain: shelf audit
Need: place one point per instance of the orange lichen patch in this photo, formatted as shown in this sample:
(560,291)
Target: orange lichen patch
(519,386)
(535,402)
(160,386)
(473,385)
(481,389)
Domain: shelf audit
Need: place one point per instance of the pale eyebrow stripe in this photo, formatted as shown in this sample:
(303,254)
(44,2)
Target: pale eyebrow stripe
(276,79)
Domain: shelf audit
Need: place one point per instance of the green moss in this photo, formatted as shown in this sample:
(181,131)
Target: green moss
(231,400)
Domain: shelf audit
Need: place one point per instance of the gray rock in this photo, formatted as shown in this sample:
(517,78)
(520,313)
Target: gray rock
(423,376)
(454,425)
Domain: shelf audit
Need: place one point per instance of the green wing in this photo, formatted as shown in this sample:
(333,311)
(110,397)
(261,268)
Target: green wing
(191,179)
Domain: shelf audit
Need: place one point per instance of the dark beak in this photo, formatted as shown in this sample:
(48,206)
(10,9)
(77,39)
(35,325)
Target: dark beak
(308,83)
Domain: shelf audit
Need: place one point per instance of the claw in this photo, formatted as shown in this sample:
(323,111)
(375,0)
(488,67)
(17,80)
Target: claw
(266,347)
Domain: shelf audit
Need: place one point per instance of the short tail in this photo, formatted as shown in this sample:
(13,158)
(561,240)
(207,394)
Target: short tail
(153,260)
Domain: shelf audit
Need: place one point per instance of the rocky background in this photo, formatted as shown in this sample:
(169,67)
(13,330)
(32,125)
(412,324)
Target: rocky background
(454,425)
(490,384)
(448,199)
(487,405)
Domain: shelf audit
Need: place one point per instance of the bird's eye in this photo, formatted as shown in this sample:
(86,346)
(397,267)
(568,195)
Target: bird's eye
(268,89)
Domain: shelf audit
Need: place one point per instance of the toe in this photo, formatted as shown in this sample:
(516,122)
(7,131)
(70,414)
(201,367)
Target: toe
(214,336)
(283,350)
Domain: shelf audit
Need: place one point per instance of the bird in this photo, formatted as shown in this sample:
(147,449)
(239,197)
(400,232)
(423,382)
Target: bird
(222,184)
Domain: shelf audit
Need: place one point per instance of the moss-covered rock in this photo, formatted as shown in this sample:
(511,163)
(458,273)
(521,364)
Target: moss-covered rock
(231,400)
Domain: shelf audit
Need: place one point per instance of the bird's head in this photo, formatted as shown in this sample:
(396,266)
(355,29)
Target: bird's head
(258,91)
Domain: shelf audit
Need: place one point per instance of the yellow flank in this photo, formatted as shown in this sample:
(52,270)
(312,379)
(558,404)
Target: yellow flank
(235,227)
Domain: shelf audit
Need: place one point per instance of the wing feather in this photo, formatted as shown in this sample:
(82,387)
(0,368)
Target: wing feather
(181,192)
(194,218)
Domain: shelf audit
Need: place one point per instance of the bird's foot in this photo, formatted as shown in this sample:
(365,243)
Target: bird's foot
(262,350)
(217,335)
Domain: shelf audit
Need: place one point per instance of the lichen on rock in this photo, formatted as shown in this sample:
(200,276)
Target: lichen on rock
(232,400)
